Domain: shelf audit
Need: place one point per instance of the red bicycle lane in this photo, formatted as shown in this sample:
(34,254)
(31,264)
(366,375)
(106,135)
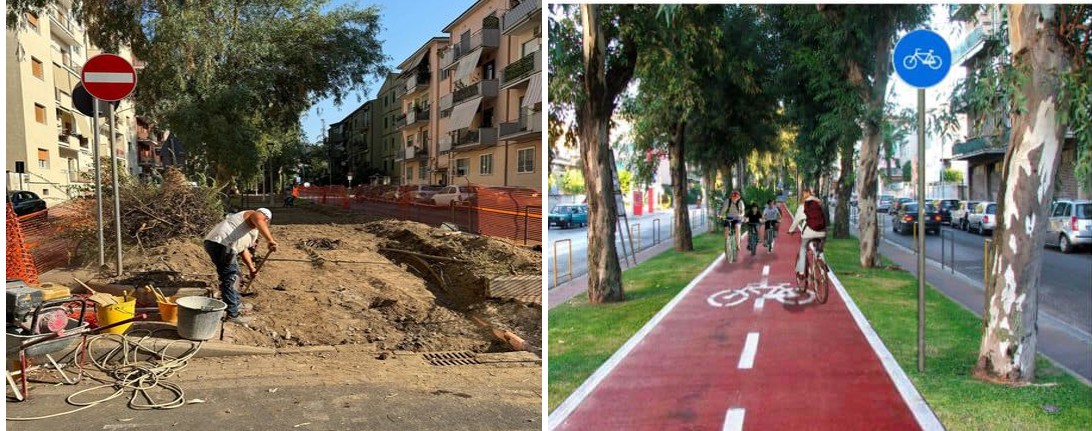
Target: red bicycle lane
(703,364)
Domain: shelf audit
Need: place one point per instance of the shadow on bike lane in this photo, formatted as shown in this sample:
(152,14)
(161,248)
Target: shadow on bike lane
(738,349)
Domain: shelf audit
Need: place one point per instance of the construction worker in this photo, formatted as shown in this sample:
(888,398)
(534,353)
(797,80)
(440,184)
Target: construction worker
(233,237)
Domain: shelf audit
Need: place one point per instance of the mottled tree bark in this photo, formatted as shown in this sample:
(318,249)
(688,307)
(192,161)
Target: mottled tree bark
(1007,351)
(676,149)
(593,124)
(874,96)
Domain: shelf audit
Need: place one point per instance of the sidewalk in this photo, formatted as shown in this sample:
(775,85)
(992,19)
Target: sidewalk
(732,350)
(578,285)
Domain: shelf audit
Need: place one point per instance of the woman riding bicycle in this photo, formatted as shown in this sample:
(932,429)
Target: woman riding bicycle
(732,212)
(812,224)
(772,216)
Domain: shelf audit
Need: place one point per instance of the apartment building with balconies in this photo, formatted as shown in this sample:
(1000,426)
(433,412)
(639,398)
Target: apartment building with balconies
(491,95)
(386,137)
(988,132)
(419,120)
(48,140)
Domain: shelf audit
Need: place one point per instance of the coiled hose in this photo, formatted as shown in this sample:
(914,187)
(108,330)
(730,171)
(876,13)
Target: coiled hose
(126,372)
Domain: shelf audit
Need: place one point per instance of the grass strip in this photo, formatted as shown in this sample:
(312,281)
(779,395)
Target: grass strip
(888,299)
(583,336)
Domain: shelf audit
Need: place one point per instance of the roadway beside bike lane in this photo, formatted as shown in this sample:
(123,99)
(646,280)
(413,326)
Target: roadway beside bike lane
(737,348)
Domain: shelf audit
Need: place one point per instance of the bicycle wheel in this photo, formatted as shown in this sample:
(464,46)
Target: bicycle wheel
(820,283)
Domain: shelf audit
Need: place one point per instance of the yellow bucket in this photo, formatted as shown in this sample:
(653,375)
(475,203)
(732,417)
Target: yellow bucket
(168,312)
(116,313)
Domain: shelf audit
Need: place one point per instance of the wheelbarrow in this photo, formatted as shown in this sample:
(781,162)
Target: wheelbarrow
(24,348)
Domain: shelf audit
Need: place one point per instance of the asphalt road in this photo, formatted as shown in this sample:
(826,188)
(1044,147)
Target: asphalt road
(644,236)
(1065,287)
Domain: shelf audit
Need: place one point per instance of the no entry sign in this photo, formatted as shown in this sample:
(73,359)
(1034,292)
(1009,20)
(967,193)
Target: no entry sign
(108,77)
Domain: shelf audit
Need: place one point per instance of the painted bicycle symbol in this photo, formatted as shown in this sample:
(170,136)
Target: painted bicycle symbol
(927,58)
(784,293)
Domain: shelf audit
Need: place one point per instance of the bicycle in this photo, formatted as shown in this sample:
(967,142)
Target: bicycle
(783,293)
(731,241)
(815,271)
(771,235)
(927,58)
(752,238)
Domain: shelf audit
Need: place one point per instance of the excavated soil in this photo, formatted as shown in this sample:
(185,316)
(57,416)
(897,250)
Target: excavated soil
(398,284)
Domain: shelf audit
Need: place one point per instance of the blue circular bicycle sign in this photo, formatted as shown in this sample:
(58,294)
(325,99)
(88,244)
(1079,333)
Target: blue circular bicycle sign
(922,58)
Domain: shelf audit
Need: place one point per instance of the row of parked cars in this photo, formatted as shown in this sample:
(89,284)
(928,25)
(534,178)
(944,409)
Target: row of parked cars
(426,194)
(1070,223)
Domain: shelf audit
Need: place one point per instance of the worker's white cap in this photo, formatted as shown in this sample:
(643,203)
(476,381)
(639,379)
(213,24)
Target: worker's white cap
(268,214)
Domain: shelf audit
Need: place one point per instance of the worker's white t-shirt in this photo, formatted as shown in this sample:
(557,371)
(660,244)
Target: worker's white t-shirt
(233,233)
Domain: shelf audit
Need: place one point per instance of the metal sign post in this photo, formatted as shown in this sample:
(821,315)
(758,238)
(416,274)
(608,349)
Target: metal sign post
(108,77)
(922,58)
(98,185)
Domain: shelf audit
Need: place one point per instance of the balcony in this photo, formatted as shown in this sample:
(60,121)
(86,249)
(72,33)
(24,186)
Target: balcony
(419,115)
(486,38)
(447,101)
(527,12)
(529,125)
(975,41)
(400,122)
(64,26)
(484,88)
(522,69)
(482,136)
(419,80)
(981,148)
(447,57)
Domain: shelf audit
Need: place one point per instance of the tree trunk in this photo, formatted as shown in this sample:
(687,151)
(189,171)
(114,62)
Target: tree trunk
(1007,351)
(683,234)
(593,117)
(874,96)
(845,191)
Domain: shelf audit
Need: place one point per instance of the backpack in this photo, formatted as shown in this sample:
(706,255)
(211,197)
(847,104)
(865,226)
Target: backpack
(817,221)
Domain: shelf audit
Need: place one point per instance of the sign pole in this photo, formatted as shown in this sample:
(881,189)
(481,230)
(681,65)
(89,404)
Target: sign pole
(921,230)
(117,190)
(98,183)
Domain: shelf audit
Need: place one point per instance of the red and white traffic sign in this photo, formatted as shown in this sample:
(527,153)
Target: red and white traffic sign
(108,77)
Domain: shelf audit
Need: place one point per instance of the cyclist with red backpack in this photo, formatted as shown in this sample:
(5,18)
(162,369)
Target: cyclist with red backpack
(812,223)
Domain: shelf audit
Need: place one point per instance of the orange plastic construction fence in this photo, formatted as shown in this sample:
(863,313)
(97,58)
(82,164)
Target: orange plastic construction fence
(20,262)
(512,213)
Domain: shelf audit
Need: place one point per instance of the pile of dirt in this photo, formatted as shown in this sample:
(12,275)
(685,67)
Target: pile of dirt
(401,285)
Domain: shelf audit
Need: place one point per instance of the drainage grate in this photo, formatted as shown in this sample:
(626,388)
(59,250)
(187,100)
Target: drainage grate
(445,359)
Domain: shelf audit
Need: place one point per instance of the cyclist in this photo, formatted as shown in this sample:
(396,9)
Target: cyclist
(732,213)
(812,224)
(753,219)
(772,217)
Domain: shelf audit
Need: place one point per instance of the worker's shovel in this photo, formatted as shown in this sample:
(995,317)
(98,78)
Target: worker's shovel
(250,282)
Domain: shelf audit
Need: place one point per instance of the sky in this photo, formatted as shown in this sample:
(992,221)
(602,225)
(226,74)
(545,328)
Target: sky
(406,25)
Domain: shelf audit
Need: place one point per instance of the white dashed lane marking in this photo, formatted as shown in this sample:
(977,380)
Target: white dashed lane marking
(750,347)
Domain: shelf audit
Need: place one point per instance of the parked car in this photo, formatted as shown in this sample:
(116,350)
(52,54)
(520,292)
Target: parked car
(418,193)
(885,203)
(450,194)
(565,216)
(959,215)
(907,216)
(24,202)
(984,218)
(945,207)
(1070,225)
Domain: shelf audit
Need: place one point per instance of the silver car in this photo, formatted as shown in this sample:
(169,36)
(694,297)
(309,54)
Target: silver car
(983,218)
(1070,225)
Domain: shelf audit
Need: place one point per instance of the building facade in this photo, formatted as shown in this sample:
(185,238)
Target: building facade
(419,120)
(490,95)
(50,143)
(386,137)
